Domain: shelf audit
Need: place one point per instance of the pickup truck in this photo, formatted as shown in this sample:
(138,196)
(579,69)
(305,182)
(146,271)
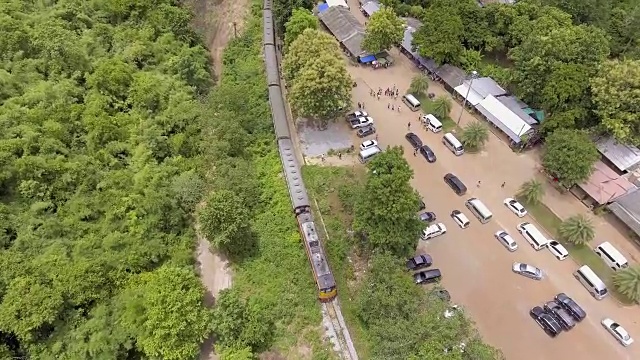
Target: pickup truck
(356,114)
(361,122)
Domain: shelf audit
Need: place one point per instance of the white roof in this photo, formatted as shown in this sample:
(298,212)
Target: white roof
(624,157)
(473,98)
(342,3)
(502,117)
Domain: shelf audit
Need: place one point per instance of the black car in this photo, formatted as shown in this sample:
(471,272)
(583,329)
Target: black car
(427,216)
(419,262)
(562,316)
(571,306)
(428,153)
(366,131)
(455,183)
(414,140)
(421,205)
(427,276)
(547,322)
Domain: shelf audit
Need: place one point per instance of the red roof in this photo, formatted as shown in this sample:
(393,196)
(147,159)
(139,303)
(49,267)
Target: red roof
(605,185)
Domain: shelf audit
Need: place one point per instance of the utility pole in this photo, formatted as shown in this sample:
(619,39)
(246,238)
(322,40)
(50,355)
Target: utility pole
(474,75)
(235,30)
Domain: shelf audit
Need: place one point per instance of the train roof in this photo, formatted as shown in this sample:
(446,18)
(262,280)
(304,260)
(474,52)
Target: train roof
(297,190)
(320,265)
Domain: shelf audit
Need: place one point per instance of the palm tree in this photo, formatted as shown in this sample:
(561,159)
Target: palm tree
(441,106)
(419,84)
(627,282)
(577,230)
(531,191)
(474,135)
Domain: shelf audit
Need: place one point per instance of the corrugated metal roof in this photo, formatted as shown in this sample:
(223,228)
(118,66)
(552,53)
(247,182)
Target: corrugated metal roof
(605,185)
(624,157)
(503,118)
(451,75)
(472,96)
(371,7)
(517,106)
(486,86)
(627,209)
(345,27)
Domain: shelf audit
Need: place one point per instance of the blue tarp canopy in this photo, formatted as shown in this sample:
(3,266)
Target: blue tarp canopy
(367,59)
(322,7)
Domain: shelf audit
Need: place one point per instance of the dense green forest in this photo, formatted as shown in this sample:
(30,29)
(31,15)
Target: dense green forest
(112,134)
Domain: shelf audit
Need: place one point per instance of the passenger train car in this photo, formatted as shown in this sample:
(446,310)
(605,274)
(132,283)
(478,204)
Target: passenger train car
(301,207)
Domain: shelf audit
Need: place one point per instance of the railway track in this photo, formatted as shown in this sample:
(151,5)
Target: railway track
(338,328)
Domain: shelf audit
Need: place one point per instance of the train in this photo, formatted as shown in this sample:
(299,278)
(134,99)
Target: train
(301,207)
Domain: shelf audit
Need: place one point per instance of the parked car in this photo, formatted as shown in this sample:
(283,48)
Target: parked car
(515,207)
(433,231)
(356,114)
(571,306)
(461,219)
(366,131)
(361,122)
(617,331)
(557,250)
(427,216)
(527,270)
(455,184)
(368,144)
(419,262)
(506,240)
(428,153)
(427,276)
(414,140)
(545,321)
(562,316)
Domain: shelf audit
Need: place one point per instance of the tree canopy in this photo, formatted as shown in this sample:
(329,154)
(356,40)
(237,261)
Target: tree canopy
(301,19)
(440,36)
(101,119)
(569,155)
(384,29)
(616,94)
(391,225)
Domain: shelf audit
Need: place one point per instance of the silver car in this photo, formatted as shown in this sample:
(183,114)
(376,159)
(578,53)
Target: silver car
(527,270)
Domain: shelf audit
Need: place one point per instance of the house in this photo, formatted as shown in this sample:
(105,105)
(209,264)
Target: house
(504,119)
(519,108)
(603,187)
(369,8)
(345,28)
(627,210)
(451,76)
(407,48)
(623,158)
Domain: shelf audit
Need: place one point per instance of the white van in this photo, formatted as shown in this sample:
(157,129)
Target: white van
(479,210)
(367,154)
(591,282)
(533,236)
(453,144)
(411,102)
(611,256)
(432,123)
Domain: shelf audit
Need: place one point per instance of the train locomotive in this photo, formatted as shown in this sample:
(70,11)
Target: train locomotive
(301,207)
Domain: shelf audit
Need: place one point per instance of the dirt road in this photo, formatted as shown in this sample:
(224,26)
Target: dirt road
(476,268)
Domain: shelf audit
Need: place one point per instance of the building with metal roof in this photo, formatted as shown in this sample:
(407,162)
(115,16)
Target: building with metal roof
(408,49)
(472,96)
(503,118)
(486,86)
(518,107)
(369,8)
(603,186)
(342,3)
(345,28)
(625,158)
(627,209)
(452,76)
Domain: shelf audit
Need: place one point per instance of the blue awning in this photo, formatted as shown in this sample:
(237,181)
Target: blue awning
(367,59)
(322,7)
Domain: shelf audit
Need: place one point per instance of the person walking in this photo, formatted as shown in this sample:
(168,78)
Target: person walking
(503,184)
(339,155)
(376,137)
(388,105)
(409,126)
(478,183)
(398,108)
(392,108)
(415,151)
(322,157)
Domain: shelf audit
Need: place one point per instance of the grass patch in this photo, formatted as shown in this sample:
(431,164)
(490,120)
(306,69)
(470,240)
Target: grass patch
(583,255)
(335,190)
(448,125)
